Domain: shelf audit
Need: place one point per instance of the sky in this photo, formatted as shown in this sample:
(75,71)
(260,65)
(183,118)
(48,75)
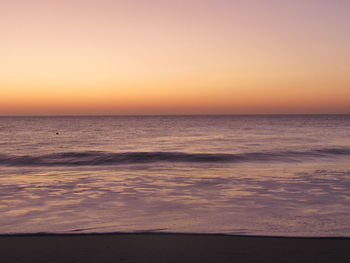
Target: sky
(87,57)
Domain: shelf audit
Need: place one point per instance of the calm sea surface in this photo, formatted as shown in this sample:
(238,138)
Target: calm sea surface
(261,175)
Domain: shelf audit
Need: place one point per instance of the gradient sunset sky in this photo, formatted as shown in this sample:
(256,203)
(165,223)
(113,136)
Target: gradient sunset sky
(174,56)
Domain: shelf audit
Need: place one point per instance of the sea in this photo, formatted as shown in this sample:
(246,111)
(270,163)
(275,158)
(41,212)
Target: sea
(269,175)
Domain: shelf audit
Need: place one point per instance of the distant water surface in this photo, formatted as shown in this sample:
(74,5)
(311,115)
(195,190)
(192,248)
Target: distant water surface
(262,175)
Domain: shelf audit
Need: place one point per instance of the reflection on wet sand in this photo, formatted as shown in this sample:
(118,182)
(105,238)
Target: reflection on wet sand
(257,199)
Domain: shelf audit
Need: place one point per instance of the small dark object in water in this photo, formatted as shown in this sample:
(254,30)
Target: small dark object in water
(57,133)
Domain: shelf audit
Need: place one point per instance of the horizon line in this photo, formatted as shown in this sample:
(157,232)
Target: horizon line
(174,115)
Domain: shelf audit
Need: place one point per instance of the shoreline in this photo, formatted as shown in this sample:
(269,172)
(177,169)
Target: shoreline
(165,233)
(170,247)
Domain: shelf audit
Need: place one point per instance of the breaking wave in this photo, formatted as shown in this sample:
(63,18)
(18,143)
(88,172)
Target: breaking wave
(110,158)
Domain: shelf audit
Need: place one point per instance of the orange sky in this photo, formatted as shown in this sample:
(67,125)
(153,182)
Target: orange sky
(174,57)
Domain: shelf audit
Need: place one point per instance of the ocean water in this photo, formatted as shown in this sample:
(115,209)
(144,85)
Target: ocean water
(251,175)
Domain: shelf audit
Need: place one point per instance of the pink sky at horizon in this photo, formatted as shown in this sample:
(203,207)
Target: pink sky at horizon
(174,57)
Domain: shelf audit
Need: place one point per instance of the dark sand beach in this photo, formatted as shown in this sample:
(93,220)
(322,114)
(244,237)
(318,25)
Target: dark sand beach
(170,248)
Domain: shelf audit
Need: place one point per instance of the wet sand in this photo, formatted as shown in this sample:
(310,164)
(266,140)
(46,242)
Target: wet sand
(170,248)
